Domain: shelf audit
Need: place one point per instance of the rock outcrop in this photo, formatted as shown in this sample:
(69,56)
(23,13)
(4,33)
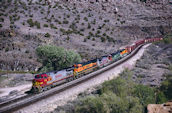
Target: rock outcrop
(160,108)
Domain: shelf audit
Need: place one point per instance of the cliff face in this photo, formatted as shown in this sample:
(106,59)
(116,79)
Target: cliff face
(160,108)
(92,28)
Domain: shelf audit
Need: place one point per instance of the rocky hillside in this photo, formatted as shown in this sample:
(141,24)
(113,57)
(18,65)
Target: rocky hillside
(153,65)
(92,28)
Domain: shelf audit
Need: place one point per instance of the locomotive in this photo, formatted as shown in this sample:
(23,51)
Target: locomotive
(45,81)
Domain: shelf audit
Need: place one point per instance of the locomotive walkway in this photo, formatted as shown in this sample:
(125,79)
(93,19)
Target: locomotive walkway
(29,99)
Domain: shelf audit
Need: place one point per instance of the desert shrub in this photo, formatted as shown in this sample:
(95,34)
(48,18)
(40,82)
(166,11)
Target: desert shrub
(65,22)
(30,22)
(106,20)
(145,94)
(23,23)
(91,105)
(82,23)
(168,39)
(166,86)
(1,19)
(27,51)
(54,58)
(45,25)
(103,39)
(52,26)
(143,1)
(85,40)
(68,16)
(88,37)
(109,103)
(47,35)
(85,18)
(6,49)
(117,86)
(160,98)
(37,24)
(89,26)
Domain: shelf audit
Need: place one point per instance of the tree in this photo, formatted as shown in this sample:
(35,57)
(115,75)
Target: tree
(166,86)
(145,94)
(55,58)
(91,104)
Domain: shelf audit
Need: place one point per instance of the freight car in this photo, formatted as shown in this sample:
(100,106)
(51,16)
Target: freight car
(47,80)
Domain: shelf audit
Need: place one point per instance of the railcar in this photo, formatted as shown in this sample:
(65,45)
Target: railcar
(104,60)
(116,56)
(84,68)
(123,52)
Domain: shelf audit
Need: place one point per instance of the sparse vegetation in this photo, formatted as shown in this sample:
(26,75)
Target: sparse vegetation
(47,35)
(45,25)
(1,19)
(103,39)
(30,22)
(65,22)
(89,26)
(85,18)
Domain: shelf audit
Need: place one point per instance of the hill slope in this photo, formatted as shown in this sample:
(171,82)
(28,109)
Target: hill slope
(91,28)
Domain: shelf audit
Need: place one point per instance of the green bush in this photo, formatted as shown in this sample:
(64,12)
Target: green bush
(145,94)
(47,35)
(166,86)
(30,22)
(55,58)
(6,49)
(1,19)
(65,22)
(45,25)
(168,39)
(89,26)
(85,18)
(143,1)
(37,24)
(109,103)
(103,39)
(106,20)
(161,98)
(91,105)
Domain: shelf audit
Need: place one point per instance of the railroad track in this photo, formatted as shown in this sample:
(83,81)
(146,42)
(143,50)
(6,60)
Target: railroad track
(26,100)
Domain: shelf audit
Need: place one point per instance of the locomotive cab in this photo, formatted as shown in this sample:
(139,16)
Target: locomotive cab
(39,82)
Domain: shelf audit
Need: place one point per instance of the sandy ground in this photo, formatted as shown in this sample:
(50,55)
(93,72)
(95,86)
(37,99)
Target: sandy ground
(21,89)
(49,104)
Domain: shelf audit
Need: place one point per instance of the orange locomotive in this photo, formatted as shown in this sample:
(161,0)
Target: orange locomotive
(84,68)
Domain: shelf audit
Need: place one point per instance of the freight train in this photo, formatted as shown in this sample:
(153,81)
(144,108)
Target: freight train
(45,81)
